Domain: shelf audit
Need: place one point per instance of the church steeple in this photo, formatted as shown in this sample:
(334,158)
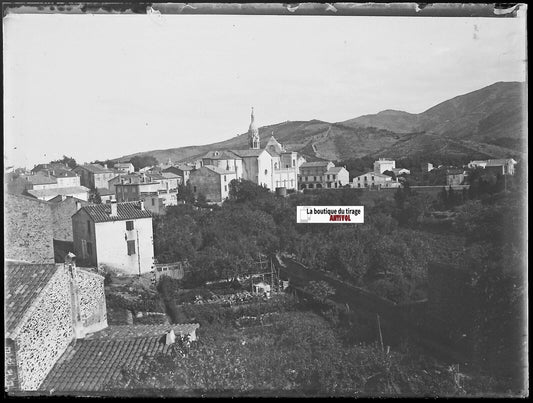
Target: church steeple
(253,133)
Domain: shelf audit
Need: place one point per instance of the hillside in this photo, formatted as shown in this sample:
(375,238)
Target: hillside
(487,123)
(490,115)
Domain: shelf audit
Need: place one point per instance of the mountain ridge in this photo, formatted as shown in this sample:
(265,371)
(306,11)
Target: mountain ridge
(486,123)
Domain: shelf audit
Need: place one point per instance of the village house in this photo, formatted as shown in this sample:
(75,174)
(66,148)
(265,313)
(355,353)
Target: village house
(107,195)
(29,230)
(116,235)
(182,170)
(39,231)
(47,307)
(212,182)
(226,160)
(79,192)
(94,175)
(124,167)
(146,191)
(384,164)
(336,177)
(312,174)
(501,166)
(427,167)
(374,180)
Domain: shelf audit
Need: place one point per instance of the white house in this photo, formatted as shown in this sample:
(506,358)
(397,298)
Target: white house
(124,167)
(374,180)
(384,164)
(116,235)
(336,177)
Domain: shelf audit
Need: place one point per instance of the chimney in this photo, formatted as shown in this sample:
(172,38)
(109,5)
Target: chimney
(142,205)
(114,211)
(78,205)
(105,166)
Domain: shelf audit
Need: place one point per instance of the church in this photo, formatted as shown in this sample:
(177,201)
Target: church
(270,165)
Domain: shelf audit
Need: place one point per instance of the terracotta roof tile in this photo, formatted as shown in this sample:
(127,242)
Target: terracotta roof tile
(314,164)
(125,211)
(24,283)
(96,361)
(248,153)
(58,191)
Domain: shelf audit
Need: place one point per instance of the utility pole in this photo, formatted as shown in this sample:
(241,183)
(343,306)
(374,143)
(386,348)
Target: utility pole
(380,335)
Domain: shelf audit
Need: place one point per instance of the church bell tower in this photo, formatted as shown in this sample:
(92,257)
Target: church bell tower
(253,134)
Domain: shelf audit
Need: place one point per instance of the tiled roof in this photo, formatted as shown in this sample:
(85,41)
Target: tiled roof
(170,175)
(62,173)
(40,179)
(58,191)
(95,168)
(123,164)
(132,332)
(248,153)
(334,170)
(221,155)
(314,164)
(89,364)
(24,282)
(154,175)
(218,170)
(59,199)
(125,211)
(375,174)
(105,192)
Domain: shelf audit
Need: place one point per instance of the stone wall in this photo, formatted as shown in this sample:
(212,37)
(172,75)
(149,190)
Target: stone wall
(61,214)
(91,299)
(46,334)
(10,360)
(29,229)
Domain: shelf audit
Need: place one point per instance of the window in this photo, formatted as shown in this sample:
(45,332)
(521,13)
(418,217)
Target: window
(293,162)
(195,189)
(225,188)
(266,171)
(315,178)
(83,248)
(372,177)
(89,227)
(153,202)
(131,247)
(89,248)
(225,180)
(129,225)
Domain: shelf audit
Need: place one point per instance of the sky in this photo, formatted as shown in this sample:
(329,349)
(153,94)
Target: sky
(103,86)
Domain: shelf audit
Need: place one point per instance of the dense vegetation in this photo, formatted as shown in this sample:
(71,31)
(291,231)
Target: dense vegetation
(296,353)
(388,255)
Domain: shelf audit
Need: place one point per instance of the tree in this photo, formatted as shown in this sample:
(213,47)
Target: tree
(69,161)
(185,193)
(94,196)
(108,163)
(244,190)
(142,161)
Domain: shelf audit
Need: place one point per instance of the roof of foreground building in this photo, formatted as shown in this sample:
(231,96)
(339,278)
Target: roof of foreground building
(93,363)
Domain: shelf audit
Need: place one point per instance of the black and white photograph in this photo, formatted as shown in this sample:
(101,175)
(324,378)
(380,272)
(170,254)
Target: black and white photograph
(265,200)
